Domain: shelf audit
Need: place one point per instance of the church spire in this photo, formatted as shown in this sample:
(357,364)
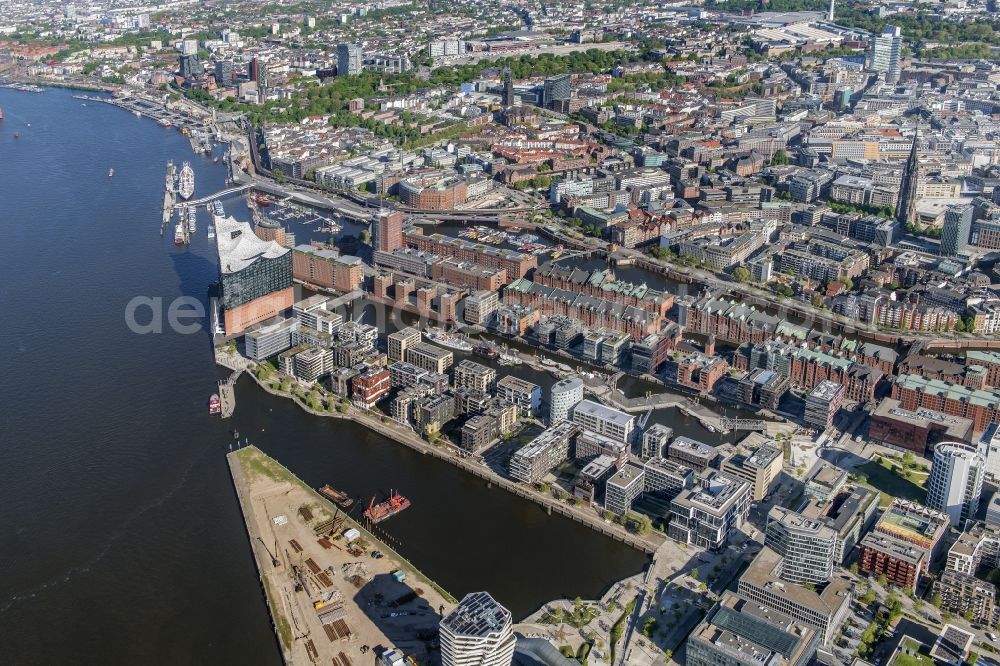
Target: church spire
(907,204)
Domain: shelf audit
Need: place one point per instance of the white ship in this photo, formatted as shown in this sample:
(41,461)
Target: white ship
(192,215)
(185,185)
(438,336)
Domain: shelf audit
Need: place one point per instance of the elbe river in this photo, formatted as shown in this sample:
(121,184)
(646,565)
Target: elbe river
(121,539)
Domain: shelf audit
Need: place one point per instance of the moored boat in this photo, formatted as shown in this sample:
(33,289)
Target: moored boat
(214,404)
(486,350)
(439,337)
(185,184)
(376,513)
(341,499)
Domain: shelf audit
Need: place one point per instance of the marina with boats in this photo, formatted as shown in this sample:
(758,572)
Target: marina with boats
(527,243)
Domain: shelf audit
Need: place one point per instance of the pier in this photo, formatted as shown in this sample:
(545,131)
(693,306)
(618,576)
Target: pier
(168,209)
(23,87)
(227,394)
(330,602)
(150,108)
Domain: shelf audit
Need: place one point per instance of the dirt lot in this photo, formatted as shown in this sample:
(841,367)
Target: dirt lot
(331,601)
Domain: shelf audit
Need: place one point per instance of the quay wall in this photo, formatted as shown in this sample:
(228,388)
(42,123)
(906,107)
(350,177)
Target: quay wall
(256,546)
(411,440)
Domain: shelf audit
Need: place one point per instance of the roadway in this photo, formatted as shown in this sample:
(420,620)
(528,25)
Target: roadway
(354,205)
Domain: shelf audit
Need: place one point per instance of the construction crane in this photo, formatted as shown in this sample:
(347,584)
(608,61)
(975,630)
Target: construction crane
(274,559)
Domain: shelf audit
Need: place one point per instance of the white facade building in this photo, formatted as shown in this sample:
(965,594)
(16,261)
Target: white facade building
(990,445)
(956,480)
(603,420)
(564,395)
(477,633)
(886,49)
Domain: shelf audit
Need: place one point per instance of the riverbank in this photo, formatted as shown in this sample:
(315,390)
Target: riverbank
(69,85)
(331,407)
(329,597)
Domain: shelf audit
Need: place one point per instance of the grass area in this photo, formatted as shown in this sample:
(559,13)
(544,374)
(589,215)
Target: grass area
(917,659)
(256,464)
(891,483)
(280,621)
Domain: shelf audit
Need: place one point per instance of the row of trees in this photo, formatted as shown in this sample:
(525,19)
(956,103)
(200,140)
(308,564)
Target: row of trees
(882,211)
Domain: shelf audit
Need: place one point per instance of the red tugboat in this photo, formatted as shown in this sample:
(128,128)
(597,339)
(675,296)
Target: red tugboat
(214,404)
(379,512)
(486,350)
(261,200)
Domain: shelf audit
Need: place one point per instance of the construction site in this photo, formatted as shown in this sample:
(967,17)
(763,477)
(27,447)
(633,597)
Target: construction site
(336,594)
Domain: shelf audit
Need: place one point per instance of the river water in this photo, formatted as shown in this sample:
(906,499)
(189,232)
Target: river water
(121,539)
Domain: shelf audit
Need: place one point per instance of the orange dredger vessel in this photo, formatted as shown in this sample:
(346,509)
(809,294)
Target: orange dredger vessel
(390,507)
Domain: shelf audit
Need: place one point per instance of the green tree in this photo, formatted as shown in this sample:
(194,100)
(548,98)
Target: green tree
(741,274)
(780,157)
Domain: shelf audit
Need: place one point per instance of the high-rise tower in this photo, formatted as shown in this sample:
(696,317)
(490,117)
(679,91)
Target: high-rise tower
(955,483)
(387,230)
(885,52)
(956,230)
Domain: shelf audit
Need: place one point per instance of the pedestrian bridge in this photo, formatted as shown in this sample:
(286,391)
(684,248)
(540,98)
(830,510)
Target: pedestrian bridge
(743,424)
(212,197)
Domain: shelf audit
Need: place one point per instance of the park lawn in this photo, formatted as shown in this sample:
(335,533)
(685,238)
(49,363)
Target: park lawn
(918,659)
(891,484)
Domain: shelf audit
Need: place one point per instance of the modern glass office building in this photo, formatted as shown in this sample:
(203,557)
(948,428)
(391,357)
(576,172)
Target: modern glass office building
(256,276)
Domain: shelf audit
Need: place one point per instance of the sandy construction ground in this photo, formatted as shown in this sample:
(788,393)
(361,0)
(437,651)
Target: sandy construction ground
(331,601)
